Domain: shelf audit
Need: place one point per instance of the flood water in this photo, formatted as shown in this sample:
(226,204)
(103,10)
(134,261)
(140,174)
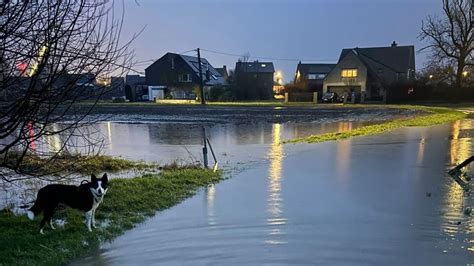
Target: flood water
(376,200)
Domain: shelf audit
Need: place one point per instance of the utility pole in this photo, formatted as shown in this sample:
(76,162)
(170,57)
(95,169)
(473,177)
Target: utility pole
(201,82)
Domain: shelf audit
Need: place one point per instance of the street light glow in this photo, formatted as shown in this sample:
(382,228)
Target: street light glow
(465,73)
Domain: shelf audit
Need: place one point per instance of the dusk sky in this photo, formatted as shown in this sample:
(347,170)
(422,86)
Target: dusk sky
(306,30)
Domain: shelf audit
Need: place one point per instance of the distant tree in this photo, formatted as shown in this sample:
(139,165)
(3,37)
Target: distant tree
(450,38)
(51,52)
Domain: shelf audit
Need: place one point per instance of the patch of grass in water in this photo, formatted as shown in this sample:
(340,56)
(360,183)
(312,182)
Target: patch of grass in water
(127,203)
(431,116)
(75,163)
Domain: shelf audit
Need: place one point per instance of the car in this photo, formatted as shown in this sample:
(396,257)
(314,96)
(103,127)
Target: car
(330,97)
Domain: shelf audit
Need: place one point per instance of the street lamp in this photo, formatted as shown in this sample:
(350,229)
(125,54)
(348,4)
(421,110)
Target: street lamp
(465,73)
(430,76)
(279,77)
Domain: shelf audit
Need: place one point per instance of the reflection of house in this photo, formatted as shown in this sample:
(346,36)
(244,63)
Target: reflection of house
(311,76)
(371,70)
(180,74)
(254,80)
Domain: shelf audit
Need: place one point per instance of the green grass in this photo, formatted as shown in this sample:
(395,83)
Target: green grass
(63,164)
(127,203)
(430,116)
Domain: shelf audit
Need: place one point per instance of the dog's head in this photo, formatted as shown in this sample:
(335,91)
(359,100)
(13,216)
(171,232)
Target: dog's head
(99,186)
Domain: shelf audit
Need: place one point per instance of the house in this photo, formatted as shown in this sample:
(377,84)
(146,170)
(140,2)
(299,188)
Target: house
(223,71)
(254,80)
(135,87)
(371,71)
(311,76)
(180,74)
(114,88)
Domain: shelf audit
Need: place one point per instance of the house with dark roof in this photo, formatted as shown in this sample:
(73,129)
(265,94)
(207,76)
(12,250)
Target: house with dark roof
(223,71)
(180,74)
(311,76)
(254,80)
(371,71)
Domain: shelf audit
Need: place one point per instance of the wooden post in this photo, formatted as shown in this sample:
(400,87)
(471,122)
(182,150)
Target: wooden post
(204,148)
(315,97)
(286,97)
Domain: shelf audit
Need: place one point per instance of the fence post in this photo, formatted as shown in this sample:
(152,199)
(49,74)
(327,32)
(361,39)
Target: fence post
(315,97)
(286,97)
(204,148)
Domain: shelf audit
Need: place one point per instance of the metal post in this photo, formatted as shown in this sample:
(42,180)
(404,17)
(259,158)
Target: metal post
(201,82)
(204,148)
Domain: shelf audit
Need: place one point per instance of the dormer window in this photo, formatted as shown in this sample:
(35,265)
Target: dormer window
(349,73)
(184,78)
(263,65)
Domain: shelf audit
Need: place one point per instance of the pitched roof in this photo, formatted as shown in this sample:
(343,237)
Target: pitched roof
(396,58)
(254,67)
(192,61)
(222,71)
(314,68)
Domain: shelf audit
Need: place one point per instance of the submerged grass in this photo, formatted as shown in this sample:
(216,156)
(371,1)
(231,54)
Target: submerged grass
(430,116)
(128,202)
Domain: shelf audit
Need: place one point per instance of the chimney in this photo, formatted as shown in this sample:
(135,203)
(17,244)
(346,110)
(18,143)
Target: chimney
(394,44)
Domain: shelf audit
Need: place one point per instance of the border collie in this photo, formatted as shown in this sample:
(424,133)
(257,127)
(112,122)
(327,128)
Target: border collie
(85,197)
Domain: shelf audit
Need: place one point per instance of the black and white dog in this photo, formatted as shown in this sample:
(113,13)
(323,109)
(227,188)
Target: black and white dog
(85,197)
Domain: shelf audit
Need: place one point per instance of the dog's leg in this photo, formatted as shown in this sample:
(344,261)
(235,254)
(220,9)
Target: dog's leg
(51,224)
(47,217)
(93,218)
(89,220)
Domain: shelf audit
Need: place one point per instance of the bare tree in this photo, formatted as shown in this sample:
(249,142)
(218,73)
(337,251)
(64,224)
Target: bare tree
(52,55)
(450,37)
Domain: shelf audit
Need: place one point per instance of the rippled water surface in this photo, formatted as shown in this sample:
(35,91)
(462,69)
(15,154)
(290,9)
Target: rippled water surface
(375,200)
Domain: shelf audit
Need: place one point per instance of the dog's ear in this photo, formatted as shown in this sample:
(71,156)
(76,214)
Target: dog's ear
(93,178)
(105,178)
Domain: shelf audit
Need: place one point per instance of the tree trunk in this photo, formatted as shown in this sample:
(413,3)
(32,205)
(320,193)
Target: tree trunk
(459,78)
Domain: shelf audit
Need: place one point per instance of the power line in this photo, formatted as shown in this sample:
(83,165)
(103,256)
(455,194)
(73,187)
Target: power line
(267,58)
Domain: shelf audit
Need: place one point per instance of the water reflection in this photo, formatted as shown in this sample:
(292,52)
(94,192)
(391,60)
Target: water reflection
(461,147)
(210,193)
(276,219)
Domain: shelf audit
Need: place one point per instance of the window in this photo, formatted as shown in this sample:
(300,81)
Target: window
(184,78)
(263,65)
(316,76)
(349,73)
(172,62)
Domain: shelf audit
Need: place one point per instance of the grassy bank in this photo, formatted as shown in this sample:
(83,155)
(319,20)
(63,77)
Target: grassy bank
(64,164)
(431,116)
(128,202)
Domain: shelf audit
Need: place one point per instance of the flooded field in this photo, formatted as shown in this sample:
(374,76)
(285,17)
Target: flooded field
(383,199)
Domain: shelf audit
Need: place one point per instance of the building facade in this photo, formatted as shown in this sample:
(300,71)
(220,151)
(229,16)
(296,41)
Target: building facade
(254,80)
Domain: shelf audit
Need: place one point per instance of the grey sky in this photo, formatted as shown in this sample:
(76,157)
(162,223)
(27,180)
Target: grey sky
(294,29)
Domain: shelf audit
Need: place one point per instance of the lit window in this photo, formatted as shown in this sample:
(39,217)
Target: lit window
(263,65)
(311,76)
(349,73)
